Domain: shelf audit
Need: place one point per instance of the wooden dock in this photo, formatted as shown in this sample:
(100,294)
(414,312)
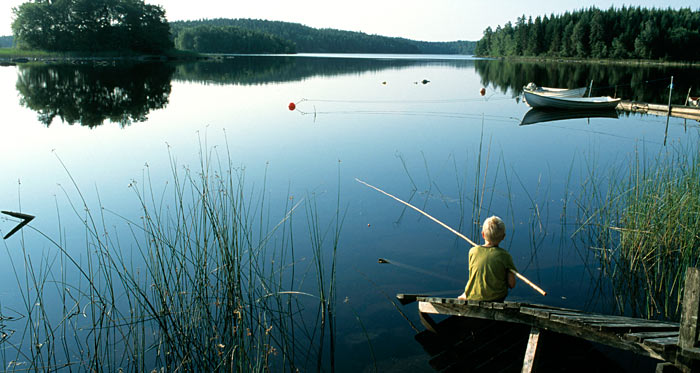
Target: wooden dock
(674,345)
(686,112)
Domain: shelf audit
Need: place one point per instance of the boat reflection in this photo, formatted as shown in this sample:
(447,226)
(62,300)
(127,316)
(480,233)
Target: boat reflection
(539,115)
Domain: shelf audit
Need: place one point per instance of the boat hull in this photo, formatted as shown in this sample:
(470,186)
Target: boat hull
(536,100)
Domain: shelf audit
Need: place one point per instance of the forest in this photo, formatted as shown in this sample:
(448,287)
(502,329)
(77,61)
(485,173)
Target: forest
(624,33)
(230,39)
(312,40)
(91,25)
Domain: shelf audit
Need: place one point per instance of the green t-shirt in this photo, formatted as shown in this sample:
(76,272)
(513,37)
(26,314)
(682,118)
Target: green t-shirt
(488,273)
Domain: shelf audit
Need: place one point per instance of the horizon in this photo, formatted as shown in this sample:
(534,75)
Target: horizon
(410,19)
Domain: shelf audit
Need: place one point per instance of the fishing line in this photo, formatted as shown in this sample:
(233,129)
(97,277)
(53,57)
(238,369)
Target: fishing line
(435,114)
(419,270)
(445,101)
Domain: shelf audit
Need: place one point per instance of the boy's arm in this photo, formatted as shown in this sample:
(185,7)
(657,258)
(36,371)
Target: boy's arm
(511,279)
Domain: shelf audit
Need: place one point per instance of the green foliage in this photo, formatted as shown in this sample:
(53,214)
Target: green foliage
(625,33)
(230,39)
(91,25)
(311,40)
(645,227)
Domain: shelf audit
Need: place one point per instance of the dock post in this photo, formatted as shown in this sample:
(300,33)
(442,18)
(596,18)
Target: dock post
(670,90)
(531,353)
(689,330)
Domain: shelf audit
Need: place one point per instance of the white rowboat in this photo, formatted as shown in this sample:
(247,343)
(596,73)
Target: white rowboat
(540,100)
(555,92)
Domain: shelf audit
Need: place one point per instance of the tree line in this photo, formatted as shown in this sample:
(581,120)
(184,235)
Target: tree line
(230,39)
(625,33)
(91,25)
(311,40)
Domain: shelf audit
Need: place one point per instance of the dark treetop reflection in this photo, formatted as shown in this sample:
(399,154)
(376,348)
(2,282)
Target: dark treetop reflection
(630,82)
(90,95)
(252,70)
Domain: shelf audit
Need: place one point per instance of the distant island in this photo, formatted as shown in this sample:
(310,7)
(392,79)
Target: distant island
(625,33)
(261,36)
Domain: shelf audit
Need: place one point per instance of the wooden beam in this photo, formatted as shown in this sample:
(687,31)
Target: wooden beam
(428,322)
(513,315)
(691,308)
(405,299)
(531,353)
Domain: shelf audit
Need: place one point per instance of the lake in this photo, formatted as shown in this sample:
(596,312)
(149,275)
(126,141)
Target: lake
(414,126)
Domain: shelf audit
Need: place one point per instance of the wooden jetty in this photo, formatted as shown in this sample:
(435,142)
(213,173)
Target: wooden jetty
(673,345)
(687,112)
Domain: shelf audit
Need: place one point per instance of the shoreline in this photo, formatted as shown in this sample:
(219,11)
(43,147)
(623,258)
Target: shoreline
(624,62)
(11,57)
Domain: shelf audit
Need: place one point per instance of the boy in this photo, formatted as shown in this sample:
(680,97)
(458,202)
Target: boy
(489,265)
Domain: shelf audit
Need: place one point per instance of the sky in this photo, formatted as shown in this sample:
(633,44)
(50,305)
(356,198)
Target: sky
(429,20)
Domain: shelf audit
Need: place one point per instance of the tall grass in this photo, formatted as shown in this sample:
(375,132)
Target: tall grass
(208,281)
(644,226)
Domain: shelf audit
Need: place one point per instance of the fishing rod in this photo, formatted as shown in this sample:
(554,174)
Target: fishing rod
(518,275)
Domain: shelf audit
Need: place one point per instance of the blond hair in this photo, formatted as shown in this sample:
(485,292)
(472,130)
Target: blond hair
(494,229)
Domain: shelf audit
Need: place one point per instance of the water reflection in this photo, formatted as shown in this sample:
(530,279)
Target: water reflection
(90,95)
(540,115)
(255,70)
(647,83)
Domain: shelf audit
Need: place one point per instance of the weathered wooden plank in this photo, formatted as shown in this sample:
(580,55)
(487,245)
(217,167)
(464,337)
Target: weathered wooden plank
(641,336)
(477,312)
(431,299)
(691,310)
(692,353)
(595,320)
(531,352)
(427,307)
(512,305)
(587,319)
(405,299)
(499,306)
(554,308)
(486,305)
(427,322)
(546,313)
(662,344)
(610,337)
(626,328)
(666,367)
(632,327)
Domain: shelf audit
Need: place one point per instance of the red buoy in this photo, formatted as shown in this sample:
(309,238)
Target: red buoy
(482,91)
(292,106)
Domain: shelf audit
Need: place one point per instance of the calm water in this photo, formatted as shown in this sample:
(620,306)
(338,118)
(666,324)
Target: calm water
(436,144)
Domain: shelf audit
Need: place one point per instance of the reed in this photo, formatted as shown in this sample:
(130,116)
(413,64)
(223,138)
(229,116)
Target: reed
(645,227)
(206,282)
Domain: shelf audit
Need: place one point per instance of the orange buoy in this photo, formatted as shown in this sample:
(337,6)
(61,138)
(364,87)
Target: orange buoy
(482,91)
(292,106)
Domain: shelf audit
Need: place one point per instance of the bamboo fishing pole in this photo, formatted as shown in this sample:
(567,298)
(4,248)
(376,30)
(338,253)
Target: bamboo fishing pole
(518,275)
